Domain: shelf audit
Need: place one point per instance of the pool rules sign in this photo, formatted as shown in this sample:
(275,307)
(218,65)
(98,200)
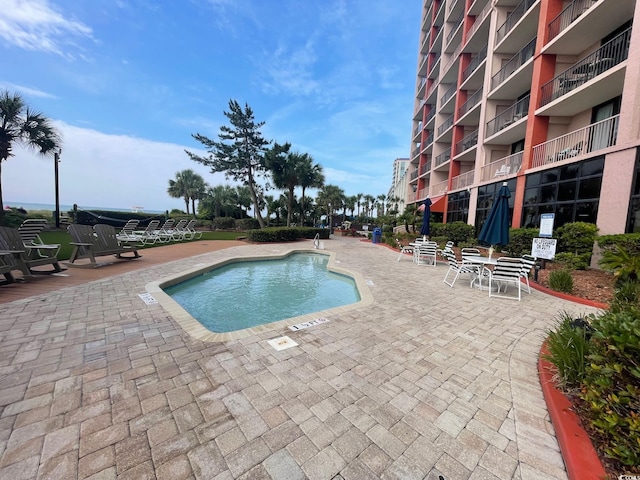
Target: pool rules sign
(545,246)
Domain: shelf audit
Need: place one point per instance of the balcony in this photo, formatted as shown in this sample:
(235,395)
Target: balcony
(474,63)
(433,70)
(513,18)
(503,167)
(514,63)
(414,174)
(416,151)
(463,180)
(468,142)
(577,27)
(425,168)
(479,31)
(430,116)
(443,158)
(510,116)
(438,189)
(446,125)
(427,142)
(592,139)
(448,94)
(472,101)
(447,73)
(605,58)
(455,31)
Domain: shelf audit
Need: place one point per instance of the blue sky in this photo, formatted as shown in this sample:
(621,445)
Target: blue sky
(128,81)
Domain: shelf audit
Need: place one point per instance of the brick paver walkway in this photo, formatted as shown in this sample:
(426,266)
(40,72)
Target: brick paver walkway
(428,381)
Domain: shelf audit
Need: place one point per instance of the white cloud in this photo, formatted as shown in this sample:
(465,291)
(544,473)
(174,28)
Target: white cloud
(101,170)
(35,25)
(290,71)
(32,92)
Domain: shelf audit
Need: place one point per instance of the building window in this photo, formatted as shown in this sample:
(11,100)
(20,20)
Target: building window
(458,206)
(486,195)
(633,224)
(571,192)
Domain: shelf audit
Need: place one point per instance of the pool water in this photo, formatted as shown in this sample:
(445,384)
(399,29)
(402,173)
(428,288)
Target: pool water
(250,293)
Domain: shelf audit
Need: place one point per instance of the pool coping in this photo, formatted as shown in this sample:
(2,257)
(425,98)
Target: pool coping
(196,330)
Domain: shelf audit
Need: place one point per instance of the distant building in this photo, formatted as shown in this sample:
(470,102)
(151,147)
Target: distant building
(541,94)
(399,185)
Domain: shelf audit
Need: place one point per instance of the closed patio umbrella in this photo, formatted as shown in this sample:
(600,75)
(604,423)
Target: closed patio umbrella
(495,230)
(426,218)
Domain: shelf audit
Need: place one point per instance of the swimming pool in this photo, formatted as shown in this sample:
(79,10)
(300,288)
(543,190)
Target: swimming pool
(237,297)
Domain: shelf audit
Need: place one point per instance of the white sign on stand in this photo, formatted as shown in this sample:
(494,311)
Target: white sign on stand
(544,248)
(546,224)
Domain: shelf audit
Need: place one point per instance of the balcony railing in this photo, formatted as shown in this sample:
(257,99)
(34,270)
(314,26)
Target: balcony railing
(514,63)
(502,167)
(513,18)
(463,180)
(445,125)
(511,115)
(606,57)
(443,157)
(479,19)
(415,152)
(595,137)
(430,115)
(449,93)
(414,175)
(435,61)
(426,167)
(428,141)
(439,188)
(455,28)
(418,129)
(471,102)
(454,57)
(469,141)
(570,14)
(474,63)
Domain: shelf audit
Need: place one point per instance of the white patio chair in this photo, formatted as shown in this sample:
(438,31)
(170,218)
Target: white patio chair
(458,268)
(527,264)
(425,253)
(506,270)
(150,234)
(128,233)
(192,233)
(403,249)
(448,248)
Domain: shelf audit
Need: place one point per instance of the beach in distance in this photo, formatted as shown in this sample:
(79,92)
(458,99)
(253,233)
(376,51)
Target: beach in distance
(65,208)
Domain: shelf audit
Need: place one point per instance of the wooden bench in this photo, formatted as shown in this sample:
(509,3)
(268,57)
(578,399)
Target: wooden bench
(25,257)
(94,242)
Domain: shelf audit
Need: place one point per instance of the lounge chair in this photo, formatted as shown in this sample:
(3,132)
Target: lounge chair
(25,257)
(527,264)
(30,231)
(128,233)
(192,233)
(94,242)
(150,234)
(165,232)
(178,231)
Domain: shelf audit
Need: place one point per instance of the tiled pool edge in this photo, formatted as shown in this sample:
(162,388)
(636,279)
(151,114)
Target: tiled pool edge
(196,330)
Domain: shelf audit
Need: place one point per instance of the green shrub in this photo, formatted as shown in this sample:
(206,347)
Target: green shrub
(628,241)
(576,237)
(624,264)
(286,234)
(626,296)
(247,224)
(520,241)
(224,223)
(561,281)
(611,387)
(571,261)
(567,346)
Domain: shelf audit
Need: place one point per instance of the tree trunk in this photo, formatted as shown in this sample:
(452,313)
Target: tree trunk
(302,209)
(290,206)
(254,198)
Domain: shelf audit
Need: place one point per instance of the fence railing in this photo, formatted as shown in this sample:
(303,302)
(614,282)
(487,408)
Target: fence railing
(606,57)
(443,157)
(455,28)
(511,115)
(449,93)
(445,125)
(463,180)
(479,19)
(514,63)
(439,188)
(569,15)
(595,137)
(502,167)
(474,63)
(513,18)
(426,167)
(469,141)
(471,102)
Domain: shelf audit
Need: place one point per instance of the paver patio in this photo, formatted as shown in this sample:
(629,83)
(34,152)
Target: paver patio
(427,381)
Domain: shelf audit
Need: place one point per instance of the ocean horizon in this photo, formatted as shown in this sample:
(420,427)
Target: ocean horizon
(65,208)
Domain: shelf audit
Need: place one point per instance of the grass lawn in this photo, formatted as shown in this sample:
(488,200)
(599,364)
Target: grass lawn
(63,239)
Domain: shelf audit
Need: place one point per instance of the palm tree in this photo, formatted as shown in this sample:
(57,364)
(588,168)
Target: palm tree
(186,186)
(382,197)
(359,200)
(243,198)
(350,202)
(21,125)
(369,199)
(285,171)
(310,175)
(197,192)
(331,197)
(218,201)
